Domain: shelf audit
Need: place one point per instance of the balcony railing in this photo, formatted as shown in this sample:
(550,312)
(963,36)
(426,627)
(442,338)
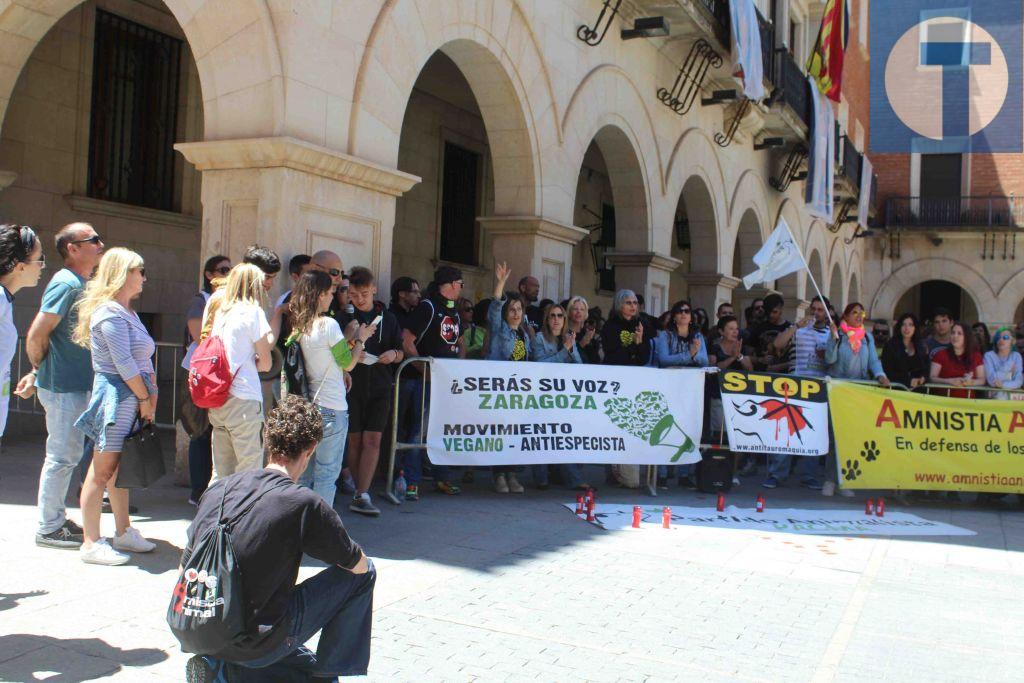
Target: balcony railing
(719,13)
(954,213)
(794,88)
(852,162)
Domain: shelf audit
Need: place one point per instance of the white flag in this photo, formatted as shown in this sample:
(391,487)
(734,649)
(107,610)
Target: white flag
(864,205)
(779,257)
(746,48)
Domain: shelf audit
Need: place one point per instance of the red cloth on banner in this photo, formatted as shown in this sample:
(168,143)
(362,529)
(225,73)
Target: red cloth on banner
(956,367)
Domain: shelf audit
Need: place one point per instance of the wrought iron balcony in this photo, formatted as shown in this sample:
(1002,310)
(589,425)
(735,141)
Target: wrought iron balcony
(852,162)
(793,82)
(954,214)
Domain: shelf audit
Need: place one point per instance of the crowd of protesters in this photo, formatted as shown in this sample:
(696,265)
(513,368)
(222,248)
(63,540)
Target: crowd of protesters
(337,344)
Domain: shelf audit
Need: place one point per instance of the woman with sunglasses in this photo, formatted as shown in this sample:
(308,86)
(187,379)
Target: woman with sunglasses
(21,264)
(472,334)
(1004,367)
(905,356)
(123,392)
(200,452)
(681,344)
(556,343)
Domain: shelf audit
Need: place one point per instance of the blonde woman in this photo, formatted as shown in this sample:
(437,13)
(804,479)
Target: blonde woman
(123,388)
(235,314)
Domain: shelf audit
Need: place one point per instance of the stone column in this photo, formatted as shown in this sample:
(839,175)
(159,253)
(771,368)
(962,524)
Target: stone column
(296,197)
(645,273)
(708,290)
(534,246)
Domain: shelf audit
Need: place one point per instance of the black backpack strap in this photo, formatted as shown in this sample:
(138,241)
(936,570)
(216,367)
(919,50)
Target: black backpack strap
(247,508)
(431,322)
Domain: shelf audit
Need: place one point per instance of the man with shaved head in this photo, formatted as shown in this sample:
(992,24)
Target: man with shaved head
(62,375)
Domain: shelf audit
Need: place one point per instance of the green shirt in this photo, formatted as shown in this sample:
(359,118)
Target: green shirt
(67,366)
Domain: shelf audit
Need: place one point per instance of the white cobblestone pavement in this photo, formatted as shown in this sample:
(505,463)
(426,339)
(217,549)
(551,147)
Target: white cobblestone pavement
(513,588)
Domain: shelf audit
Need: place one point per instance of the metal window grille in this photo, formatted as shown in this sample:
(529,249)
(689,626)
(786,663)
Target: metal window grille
(135,81)
(459,204)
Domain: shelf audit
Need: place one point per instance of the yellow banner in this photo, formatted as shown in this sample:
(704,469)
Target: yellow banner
(901,440)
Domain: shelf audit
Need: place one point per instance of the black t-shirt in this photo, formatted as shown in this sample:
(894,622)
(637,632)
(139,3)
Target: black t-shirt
(268,543)
(763,337)
(436,326)
(388,337)
(533,317)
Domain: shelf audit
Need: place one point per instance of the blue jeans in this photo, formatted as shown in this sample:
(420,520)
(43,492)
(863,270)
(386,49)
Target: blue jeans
(200,462)
(806,466)
(340,605)
(64,447)
(321,474)
(412,416)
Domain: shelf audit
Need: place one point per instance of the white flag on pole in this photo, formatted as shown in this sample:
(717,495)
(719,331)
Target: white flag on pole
(779,257)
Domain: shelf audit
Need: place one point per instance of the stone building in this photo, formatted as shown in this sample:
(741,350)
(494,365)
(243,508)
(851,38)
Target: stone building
(405,133)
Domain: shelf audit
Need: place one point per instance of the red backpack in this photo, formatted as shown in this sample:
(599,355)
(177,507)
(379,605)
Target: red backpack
(209,375)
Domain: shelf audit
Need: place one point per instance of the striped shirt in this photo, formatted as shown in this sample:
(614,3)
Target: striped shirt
(808,340)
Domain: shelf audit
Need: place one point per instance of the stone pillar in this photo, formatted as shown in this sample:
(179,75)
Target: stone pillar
(645,273)
(296,197)
(708,290)
(535,246)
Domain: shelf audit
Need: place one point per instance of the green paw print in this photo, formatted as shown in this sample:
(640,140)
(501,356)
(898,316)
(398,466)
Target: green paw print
(870,452)
(852,470)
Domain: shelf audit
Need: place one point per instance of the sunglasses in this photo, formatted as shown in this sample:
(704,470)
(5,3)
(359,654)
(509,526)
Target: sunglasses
(95,239)
(223,270)
(342,288)
(681,310)
(557,315)
(142,271)
(41,261)
(1005,335)
(467,309)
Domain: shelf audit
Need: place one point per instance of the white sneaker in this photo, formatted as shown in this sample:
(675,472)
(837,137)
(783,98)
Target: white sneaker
(132,541)
(828,488)
(102,553)
(513,484)
(846,493)
(500,484)
(735,481)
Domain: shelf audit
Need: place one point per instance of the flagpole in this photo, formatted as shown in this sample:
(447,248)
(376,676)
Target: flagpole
(813,281)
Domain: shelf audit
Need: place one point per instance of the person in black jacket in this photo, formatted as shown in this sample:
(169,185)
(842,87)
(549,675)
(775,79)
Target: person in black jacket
(623,337)
(905,356)
(369,400)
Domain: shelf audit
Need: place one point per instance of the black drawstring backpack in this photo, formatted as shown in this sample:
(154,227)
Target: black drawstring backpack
(207,609)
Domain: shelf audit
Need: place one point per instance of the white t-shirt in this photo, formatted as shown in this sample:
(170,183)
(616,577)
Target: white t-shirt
(239,328)
(321,350)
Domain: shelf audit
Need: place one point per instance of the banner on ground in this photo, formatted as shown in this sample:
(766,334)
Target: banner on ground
(786,520)
(903,440)
(501,412)
(766,413)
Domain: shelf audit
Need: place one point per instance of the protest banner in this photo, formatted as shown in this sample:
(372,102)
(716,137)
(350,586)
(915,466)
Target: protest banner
(766,413)
(614,517)
(501,412)
(903,440)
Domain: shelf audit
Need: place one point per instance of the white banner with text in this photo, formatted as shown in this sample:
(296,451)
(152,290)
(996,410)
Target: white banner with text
(503,412)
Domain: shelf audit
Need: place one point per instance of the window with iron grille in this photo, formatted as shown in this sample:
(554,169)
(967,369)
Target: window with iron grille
(135,80)
(459,204)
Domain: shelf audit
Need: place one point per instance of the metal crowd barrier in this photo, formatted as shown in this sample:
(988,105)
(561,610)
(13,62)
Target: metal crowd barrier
(389,492)
(166,362)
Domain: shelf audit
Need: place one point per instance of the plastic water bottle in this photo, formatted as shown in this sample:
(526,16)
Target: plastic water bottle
(400,486)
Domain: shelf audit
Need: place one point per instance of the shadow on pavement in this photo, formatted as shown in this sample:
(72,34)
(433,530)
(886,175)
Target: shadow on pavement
(30,657)
(10,600)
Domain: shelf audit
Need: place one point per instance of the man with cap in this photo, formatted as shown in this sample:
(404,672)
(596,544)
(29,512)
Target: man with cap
(432,329)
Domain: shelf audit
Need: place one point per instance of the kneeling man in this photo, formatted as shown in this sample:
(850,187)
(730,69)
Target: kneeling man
(285,521)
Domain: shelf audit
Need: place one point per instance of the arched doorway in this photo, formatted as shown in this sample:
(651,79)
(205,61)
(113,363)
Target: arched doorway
(611,205)
(88,135)
(748,242)
(694,238)
(444,141)
(835,288)
(922,299)
(854,291)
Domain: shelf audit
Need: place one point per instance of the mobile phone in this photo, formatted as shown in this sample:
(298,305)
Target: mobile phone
(376,321)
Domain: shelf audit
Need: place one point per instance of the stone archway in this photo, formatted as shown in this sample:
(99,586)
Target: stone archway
(695,244)
(835,288)
(228,87)
(508,78)
(748,241)
(921,270)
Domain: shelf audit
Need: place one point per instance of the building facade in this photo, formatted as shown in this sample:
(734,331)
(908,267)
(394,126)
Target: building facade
(407,133)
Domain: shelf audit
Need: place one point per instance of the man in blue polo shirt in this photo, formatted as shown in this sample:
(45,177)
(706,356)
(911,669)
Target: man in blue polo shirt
(62,375)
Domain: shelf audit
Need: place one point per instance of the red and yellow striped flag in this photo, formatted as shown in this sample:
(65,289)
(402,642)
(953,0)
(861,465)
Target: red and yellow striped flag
(826,61)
